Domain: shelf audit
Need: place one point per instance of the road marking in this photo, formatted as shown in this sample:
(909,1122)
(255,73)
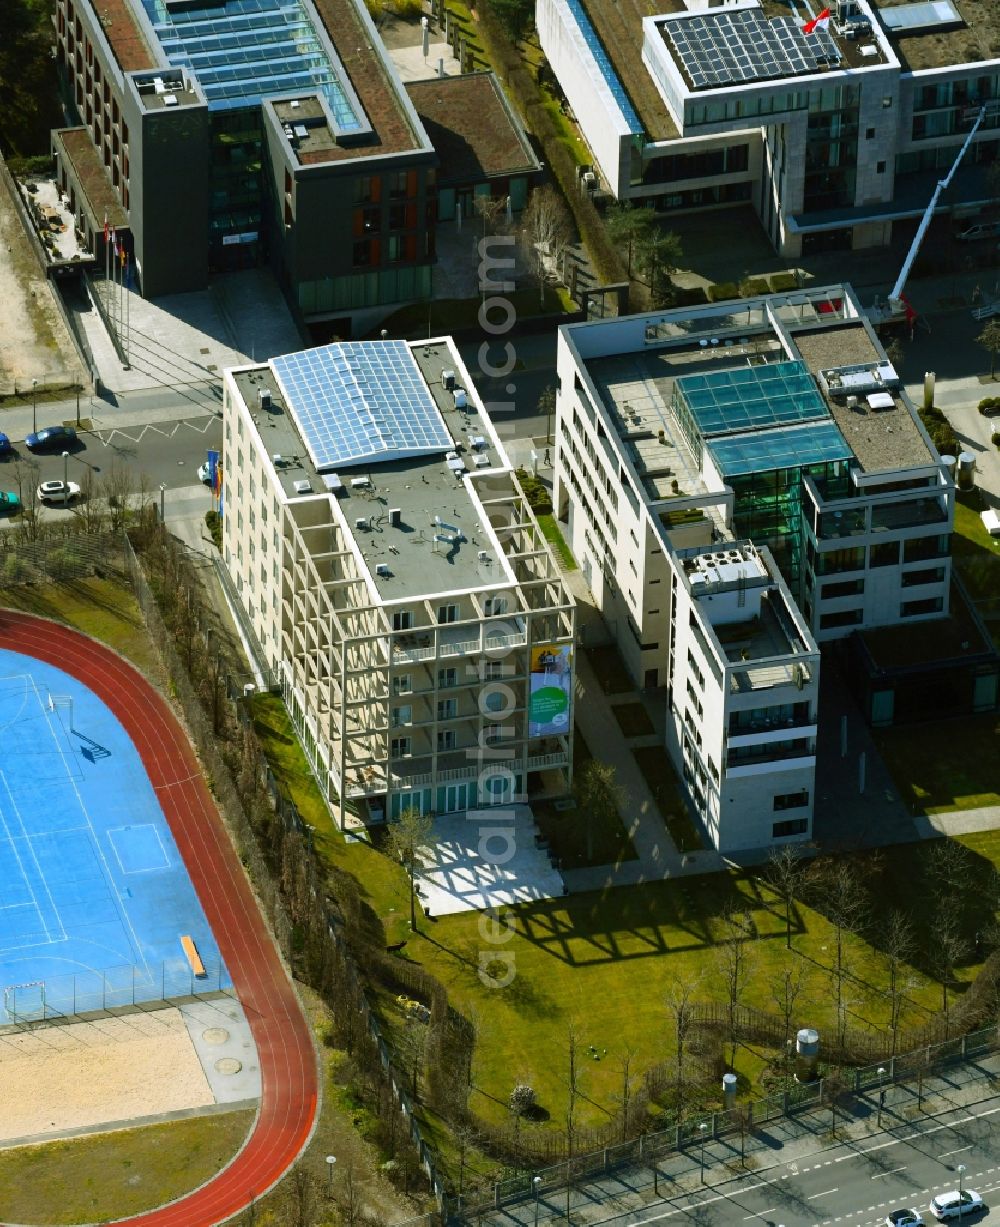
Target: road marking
(760,1213)
(825,1193)
(879,1175)
(957,1151)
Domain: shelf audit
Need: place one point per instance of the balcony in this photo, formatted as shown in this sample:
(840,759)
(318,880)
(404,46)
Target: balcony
(768,675)
(413,648)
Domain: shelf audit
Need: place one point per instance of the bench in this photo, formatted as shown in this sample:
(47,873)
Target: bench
(193,957)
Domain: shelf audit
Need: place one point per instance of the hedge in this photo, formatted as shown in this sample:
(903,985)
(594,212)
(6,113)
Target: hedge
(724,289)
(782,282)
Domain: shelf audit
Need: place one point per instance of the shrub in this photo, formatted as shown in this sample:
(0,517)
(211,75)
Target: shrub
(14,569)
(989,406)
(782,282)
(41,164)
(536,492)
(213,522)
(753,287)
(724,290)
(522,1099)
(63,562)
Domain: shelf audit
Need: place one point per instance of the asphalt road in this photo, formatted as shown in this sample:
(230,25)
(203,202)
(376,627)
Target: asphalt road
(855,1184)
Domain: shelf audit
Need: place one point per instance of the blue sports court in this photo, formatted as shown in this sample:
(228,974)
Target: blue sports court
(94,897)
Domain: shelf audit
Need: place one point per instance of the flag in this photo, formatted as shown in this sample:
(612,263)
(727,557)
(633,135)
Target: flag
(114,240)
(822,22)
(121,252)
(911,313)
(217,480)
(106,228)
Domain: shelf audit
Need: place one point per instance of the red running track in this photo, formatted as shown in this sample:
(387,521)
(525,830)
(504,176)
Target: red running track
(284,1045)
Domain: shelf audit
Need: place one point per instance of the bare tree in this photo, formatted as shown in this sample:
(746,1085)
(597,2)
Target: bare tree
(732,960)
(304,1196)
(349,1200)
(680,1003)
(409,836)
(625,1095)
(572,1089)
(899,945)
(785,872)
(547,228)
(845,896)
(89,508)
(948,948)
(116,489)
(785,993)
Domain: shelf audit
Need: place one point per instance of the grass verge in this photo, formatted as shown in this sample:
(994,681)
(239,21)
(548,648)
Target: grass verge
(633,719)
(659,774)
(934,781)
(552,534)
(111,1175)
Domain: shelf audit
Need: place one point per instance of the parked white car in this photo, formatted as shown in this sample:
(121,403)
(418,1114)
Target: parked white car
(956,1205)
(58,491)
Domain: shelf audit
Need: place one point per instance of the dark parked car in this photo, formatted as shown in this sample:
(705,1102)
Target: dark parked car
(52,438)
(5,447)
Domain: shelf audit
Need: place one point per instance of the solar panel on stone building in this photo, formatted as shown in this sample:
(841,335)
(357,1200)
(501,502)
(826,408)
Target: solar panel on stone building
(358,402)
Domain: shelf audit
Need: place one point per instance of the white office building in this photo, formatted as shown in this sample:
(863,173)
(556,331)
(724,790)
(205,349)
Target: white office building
(739,483)
(831,135)
(395,580)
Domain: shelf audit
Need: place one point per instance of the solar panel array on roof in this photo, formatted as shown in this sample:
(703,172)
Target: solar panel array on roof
(790,447)
(360,402)
(728,48)
(243,50)
(750,397)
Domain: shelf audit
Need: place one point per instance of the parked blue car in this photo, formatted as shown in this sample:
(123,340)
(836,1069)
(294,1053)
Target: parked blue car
(51,439)
(5,447)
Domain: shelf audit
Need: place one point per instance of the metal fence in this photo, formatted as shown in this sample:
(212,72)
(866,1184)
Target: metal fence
(112,988)
(57,554)
(650,1148)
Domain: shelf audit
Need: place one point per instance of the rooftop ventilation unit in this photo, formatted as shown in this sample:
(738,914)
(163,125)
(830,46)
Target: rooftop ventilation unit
(264,398)
(483,461)
(278,460)
(294,104)
(170,100)
(302,486)
(383,569)
(361,523)
(395,516)
(483,555)
(461,401)
(448,380)
(361,483)
(439,523)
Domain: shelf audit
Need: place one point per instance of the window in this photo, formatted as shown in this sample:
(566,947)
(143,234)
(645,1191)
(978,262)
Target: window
(494,606)
(362,253)
(791,826)
(447,709)
(925,547)
(913,609)
(446,740)
(394,248)
(402,683)
(843,617)
(791,800)
(403,714)
(397,217)
(402,620)
(400,747)
(496,669)
(447,613)
(847,587)
(869,134)
(886,555)
(447,677)
(880,168)
(927,575)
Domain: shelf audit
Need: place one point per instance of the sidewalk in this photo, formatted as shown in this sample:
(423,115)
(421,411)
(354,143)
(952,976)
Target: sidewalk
(779,1143)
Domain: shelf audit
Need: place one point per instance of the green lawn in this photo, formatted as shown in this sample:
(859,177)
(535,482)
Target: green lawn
(633,719)
(952,765)
(551,533)
(111,1175)
(659,774)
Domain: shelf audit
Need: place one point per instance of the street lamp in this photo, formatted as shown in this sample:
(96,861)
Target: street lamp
(330,1159)
(536,1182)
(961,1172)
(34,407)
(703,1129)
(65,469)
(881,1093)
(163,491)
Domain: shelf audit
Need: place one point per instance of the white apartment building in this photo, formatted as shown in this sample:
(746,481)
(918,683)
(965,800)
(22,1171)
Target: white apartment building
(776,421)
(396,579)
(832,136)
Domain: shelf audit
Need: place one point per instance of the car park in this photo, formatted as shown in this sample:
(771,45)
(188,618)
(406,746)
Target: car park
(904,1218)
(956,1204)
(10,504)
(58,491)
(51,438)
